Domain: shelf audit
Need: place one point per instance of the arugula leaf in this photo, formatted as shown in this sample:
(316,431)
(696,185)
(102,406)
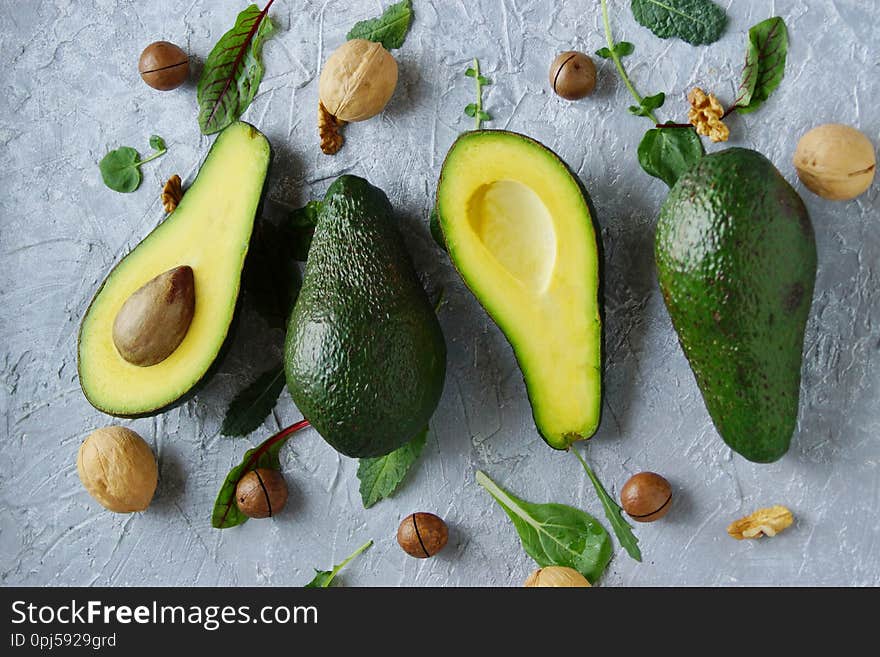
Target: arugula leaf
(301,227)
(380,477)
(389,29)
(233,70)
(121,168)
(252,405)
(695,21)
(323,578)
(622,529)
(265,455)
(555,534)
(666,153)
(436,231)
(648,105)
(765,64)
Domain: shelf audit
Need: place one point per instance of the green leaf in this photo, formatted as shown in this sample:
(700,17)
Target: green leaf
(483,80)
(622,49)
(233,70)
(555,534)
(471,110)
(323,578)
(484,116)
(120,169)
(380,477)
(604,53)
(765,64)
(389,29)
(649,104)
(301,227)
(252,405)
(695,21)
(613,512)
(436,230)
(666,153)
(471,73)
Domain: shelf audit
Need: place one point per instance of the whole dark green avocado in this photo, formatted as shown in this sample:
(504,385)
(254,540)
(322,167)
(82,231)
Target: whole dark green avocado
(365,358)
(736,259)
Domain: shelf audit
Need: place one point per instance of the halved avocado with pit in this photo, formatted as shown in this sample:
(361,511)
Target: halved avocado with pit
(519,228)
(209,231)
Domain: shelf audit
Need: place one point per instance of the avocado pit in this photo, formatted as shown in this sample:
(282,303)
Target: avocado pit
(154,320)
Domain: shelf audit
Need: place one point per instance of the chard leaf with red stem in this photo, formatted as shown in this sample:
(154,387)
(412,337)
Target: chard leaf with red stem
(233,70)
(265,455)
(765,64)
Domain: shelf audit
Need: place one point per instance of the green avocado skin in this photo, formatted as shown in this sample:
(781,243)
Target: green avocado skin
(736,261)
(365,358)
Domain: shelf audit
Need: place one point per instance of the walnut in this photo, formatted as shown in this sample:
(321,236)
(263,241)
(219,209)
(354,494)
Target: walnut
(328,130)
(172,192)
(762,522)
(705,115)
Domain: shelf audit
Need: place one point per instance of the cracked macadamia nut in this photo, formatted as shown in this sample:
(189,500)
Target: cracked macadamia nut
(573,75)
(835,161)
(118,469)
(646,497)
(556,577)
(261,493)
(163,66)
(422,535)
(357,80)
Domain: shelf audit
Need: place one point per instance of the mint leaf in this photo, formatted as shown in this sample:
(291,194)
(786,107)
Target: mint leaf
(381,477)
(323,578)
(765,64)
(555,534)
(389,29)
(233,70)
(252,405)
(666,153)
(695,21)
(622,529)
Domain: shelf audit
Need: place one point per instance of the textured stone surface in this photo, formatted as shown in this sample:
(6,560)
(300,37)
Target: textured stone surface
(70,91)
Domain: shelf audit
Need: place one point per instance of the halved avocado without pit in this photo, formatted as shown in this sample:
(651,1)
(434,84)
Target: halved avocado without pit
(519,228)
(209,232)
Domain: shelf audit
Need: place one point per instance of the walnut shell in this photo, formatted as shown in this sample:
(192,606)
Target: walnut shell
(357,80)
(556,577)
(835,161)
(118,469)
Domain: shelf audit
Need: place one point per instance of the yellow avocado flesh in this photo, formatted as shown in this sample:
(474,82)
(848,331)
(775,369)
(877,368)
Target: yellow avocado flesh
(518,228)
(210,231)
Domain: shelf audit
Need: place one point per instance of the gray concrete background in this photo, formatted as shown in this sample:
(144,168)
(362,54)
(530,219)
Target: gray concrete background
(69,92)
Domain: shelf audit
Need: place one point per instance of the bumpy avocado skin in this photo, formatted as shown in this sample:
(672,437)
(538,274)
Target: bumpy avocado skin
(736,261)
(365,357)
